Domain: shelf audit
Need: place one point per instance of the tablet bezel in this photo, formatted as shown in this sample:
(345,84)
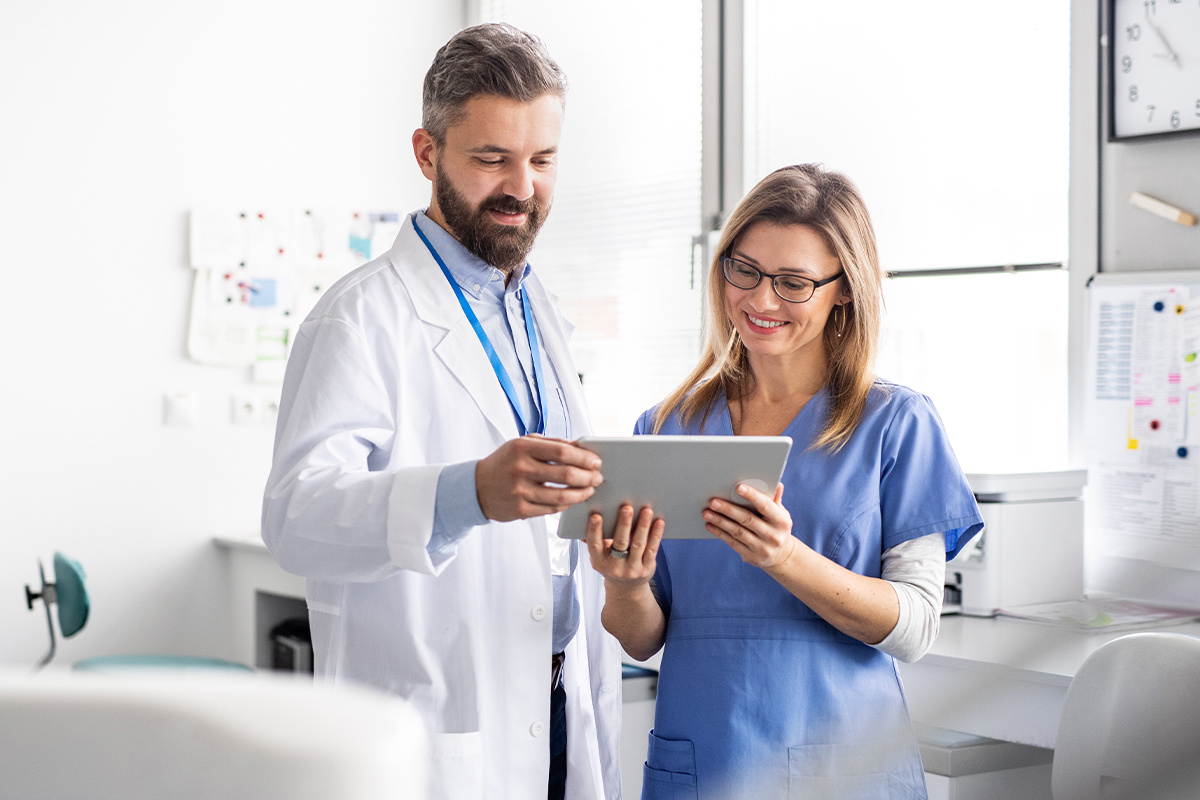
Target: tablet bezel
(677,476)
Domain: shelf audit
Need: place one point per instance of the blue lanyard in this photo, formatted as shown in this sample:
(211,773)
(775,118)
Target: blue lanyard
(497,366)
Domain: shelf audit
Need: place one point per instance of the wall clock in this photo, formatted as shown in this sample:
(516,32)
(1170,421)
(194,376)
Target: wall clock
(1154,68)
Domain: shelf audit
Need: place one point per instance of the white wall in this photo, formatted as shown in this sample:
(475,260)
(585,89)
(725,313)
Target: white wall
(115,119)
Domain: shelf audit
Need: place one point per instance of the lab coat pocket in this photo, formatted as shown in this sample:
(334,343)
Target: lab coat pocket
(670,770)
(860,771)
(457,765)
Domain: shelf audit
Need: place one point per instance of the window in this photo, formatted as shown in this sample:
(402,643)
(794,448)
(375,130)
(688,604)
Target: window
(953,121)
(990,350)
(617,247)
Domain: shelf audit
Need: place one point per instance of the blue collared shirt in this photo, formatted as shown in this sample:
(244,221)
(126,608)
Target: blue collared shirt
(456,509)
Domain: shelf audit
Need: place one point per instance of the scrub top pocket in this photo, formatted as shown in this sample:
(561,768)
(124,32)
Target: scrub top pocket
(847,772)
(670,770)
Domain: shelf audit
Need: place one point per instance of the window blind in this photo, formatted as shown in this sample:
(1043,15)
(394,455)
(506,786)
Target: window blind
(617,246)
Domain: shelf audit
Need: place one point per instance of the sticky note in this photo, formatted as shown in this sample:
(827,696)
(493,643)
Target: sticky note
(262,293)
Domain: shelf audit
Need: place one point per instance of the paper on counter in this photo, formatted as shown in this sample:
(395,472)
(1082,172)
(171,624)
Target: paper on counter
(1099,614)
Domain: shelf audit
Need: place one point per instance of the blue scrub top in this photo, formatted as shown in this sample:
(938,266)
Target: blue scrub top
(757,695)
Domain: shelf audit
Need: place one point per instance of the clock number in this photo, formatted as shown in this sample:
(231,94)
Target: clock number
(1198,108)
(1150,115)
(1126,63)
(1149,6)
(1133,94)
(1175,119)
(1134,32)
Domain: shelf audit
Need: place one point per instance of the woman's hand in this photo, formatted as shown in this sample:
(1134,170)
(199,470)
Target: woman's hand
(761,535)
(638,541)
(631,613)
(858,606)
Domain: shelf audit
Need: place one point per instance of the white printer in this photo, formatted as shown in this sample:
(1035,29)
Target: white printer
(1030,549)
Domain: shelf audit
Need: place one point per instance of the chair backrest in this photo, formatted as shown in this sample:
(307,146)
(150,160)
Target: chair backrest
(69,593)
(1130,724)
(196,736)
(72,595)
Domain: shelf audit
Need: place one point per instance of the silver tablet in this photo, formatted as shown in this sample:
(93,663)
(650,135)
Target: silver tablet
(676,476)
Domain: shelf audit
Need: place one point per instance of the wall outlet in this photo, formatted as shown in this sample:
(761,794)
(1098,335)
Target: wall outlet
(255,407)
(246,409)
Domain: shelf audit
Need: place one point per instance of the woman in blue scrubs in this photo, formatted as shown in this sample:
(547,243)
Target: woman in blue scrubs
(781,632)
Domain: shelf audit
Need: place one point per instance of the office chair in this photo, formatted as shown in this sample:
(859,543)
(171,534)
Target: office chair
(69,593)
(1130,724)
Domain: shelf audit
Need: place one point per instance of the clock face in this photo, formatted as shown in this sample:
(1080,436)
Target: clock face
(1154,71)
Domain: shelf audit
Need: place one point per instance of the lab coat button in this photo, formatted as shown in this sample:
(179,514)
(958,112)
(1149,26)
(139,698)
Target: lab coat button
(538,613)
(536,729)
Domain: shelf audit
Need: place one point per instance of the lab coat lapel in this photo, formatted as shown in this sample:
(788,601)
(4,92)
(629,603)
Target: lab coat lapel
(555,333)
(436,305)
(463,355)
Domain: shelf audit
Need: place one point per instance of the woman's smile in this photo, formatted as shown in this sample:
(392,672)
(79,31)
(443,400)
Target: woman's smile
(766,324)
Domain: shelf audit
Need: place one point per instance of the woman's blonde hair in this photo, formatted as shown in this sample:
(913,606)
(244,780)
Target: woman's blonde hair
(827,202)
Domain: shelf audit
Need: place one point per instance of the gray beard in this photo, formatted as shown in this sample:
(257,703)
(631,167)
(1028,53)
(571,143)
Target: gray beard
(504,247)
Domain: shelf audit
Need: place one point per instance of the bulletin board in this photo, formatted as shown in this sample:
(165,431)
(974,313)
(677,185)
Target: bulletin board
(259,271)
(1142,436)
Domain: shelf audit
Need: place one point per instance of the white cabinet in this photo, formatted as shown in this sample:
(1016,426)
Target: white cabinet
(263,595)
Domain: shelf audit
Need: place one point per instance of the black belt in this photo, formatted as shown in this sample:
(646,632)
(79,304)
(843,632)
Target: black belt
(556,663)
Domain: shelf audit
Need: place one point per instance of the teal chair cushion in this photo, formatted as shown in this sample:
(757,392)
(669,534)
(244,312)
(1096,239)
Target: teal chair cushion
(73,603)
(110,664)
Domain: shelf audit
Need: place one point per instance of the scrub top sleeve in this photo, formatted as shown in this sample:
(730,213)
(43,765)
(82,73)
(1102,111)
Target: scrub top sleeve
(922,488)
(645,422)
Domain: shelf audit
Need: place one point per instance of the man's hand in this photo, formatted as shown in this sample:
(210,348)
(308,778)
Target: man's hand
(512,483)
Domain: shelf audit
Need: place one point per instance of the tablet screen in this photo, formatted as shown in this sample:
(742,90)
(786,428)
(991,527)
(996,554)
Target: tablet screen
(676,476)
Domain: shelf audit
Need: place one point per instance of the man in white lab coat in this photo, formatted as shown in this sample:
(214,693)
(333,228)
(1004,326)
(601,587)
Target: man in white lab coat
(410,485)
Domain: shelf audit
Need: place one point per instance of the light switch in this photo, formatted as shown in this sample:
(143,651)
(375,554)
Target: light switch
(179,409)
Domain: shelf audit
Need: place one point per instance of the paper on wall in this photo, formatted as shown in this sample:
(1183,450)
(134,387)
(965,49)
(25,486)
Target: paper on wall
(1142,432)
(1158,392)
(260,271)
(221,330)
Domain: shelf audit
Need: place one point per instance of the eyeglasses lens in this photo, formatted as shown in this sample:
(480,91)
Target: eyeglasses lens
(740,275)
(793,289)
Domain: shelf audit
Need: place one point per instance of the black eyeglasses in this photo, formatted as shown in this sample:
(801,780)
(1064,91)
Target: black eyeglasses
(792,288)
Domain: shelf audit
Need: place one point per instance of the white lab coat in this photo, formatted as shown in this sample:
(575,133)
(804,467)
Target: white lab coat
(386,384)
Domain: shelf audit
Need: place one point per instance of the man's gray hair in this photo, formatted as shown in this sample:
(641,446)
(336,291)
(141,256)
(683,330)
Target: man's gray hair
(490,59)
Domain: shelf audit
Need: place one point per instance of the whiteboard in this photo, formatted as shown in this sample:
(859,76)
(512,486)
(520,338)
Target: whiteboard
(1142,436)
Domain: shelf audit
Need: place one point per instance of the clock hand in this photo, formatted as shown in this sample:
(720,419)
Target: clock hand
(1171,54)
